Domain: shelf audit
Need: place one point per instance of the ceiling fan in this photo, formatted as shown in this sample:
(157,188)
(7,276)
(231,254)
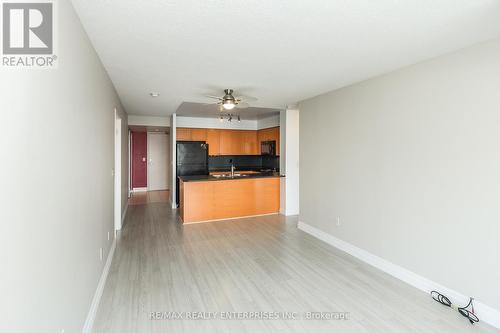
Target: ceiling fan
(229,102)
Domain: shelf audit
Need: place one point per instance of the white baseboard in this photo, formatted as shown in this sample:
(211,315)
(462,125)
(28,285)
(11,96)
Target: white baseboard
(124,214)
(89,321)
(140,189)
(485,313)
(157,189)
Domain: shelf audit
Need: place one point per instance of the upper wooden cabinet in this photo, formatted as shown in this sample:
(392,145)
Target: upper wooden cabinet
(191,134)
(250,146)
(198,134)
(230,142)
(270,134)
(238,142)
(183,134)
(213,140)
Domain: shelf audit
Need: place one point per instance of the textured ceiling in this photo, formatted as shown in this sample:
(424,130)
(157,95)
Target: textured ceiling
(278,51)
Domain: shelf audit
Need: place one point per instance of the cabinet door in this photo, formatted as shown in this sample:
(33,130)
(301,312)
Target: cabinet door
(198,134)
(226,139)
(236,142)
(269,134)
(250,143)
(241,138)
(213,140)
(260,137)
(183,134)
(276,137)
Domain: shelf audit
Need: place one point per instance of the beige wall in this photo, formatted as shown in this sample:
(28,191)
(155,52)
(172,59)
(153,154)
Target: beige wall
(56,173)
(410,162)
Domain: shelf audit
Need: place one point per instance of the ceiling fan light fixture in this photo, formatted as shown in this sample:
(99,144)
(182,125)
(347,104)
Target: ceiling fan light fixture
(228,104)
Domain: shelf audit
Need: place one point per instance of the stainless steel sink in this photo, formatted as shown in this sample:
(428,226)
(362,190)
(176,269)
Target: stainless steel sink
(219,176)
(236,175)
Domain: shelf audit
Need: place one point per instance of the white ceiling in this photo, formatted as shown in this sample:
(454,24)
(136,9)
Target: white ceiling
(189,109)
(278,51)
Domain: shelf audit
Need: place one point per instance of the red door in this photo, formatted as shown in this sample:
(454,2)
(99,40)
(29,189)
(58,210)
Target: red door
(139,159)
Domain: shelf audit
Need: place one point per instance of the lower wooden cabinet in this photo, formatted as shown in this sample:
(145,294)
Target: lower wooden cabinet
(201,201)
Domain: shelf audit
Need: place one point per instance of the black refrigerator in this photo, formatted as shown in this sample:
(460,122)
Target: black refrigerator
(192,160)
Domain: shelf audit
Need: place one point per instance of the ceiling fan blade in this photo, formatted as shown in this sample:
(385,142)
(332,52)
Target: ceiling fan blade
(214,97)
(242,105)
(246,98)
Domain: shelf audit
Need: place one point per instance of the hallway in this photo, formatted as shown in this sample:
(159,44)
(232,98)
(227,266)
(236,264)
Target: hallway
(255,264)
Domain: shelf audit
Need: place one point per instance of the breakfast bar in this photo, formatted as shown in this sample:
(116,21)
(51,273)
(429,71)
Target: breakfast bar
(214,197)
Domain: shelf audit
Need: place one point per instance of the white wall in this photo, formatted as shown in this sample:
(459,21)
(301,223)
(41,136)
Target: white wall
(268,122)
(57,144)
(410,162)
(282,162)
(136,120)
(291,160)
(173,160)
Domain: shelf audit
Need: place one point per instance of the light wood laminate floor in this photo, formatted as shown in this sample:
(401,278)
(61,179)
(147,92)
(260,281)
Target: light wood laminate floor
(142,198)
(255,264)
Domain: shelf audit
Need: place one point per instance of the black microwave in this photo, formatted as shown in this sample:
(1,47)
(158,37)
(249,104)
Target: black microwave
(268,148)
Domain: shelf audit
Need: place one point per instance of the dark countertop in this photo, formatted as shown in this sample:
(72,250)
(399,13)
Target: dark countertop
(202,178)
(240,168)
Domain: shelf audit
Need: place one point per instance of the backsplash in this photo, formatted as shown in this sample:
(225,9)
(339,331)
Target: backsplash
(243,162)
(270,162)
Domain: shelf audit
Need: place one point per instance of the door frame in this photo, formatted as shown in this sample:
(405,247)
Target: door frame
(118,172)
(148,158)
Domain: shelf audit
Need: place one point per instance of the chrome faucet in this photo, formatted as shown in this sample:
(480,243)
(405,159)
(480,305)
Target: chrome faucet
(232,170)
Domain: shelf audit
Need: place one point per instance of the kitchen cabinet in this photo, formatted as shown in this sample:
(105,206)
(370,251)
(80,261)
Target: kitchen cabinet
(230,142)
(238,142)
(183,134)
(269,134)
(198,134)
(250,146)
(191,134)
(213,140)
(201,201)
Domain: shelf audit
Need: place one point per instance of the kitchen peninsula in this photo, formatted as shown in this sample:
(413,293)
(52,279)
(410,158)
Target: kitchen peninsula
(227,173)
(216,197)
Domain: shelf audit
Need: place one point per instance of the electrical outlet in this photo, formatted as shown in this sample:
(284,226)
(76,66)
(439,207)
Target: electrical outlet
(338,221)
(100,253)
(108,236)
